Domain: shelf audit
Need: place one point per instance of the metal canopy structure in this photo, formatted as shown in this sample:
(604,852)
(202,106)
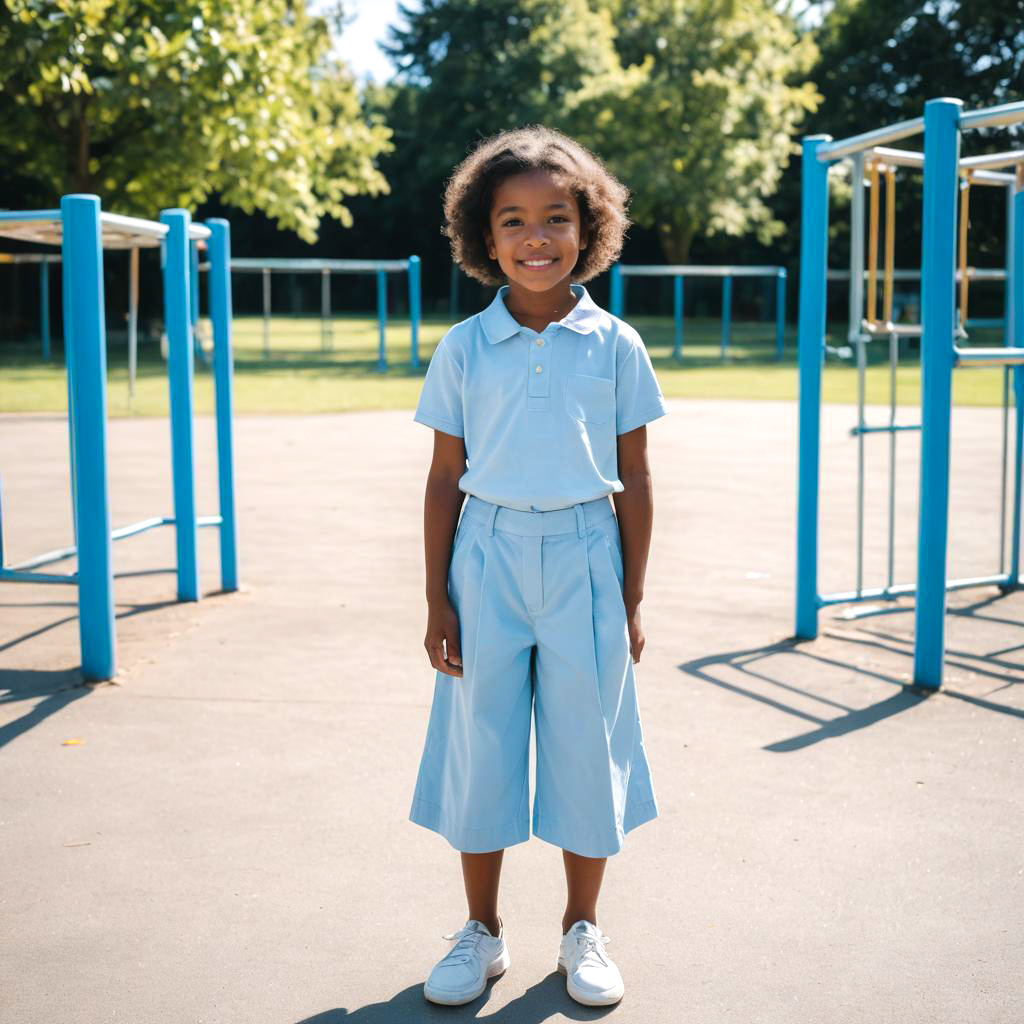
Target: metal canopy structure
(46,227)
(947,177)
(83,231)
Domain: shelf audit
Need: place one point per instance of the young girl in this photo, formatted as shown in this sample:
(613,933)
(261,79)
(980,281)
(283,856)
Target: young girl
(538,406)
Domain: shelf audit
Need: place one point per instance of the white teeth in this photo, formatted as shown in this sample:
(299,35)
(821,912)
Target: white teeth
(537,263)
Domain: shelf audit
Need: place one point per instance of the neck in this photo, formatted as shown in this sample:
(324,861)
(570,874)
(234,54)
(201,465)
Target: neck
(549,306)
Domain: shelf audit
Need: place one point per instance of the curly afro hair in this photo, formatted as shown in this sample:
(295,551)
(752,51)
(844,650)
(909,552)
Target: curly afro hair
(601,197)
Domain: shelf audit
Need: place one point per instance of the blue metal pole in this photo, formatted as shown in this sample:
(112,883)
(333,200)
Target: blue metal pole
(811,342)
(726,313)
(616,292)
(382,318)
(414,307)
(1016,284)
(180,373)
(780,315)
(223,372)
(677,303)
(69,363)
(938,250)
(193,296)
(86,344)
(44,307)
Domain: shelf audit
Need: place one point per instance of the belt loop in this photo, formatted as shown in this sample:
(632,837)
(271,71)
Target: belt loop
(490,520)
(581,520)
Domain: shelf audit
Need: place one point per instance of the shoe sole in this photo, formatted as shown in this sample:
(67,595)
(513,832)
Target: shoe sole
(495,969)
(605,998)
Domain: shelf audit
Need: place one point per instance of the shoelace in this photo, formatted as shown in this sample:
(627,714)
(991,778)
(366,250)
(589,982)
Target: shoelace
(593,947)
(466,940)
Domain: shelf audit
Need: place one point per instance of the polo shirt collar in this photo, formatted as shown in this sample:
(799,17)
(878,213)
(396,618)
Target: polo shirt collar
(499,324)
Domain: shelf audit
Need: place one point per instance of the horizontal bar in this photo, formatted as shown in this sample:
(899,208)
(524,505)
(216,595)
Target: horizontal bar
(1005,356)
(973,274)
(140,527)
(29,257)
(59,554)
(26,216)
(905,589)
(686,270)
(829,151)
(991,117)
(986,321)
(19,576)
(342,266)
(900,330)
(998,178)
(894,428)
(992,160)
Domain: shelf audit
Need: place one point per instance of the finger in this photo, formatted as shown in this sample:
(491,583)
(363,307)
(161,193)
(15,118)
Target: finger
(454,647)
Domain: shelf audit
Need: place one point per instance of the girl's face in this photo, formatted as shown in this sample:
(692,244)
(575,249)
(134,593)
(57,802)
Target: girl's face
(535,232)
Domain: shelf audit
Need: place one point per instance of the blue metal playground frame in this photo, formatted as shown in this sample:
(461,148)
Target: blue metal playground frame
(678,272)
(942,125)
(83,231)
(380,268)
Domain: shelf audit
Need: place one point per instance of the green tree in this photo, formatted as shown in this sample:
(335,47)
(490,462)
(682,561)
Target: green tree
(162,104)
(703,138)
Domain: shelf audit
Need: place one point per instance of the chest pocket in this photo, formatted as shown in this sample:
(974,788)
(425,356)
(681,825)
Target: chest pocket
(589,399)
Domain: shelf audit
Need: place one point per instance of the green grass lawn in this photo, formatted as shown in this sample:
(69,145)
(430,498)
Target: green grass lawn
(299,376)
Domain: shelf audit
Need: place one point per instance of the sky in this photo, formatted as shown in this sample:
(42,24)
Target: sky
(357,46)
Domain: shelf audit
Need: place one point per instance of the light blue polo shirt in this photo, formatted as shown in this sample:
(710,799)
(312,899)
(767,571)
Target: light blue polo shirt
(540,413)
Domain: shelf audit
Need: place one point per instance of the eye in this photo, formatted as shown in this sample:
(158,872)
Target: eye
(559,217)
(511,222)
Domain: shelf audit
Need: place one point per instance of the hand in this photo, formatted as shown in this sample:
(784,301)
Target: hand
(636,631)
(443,625)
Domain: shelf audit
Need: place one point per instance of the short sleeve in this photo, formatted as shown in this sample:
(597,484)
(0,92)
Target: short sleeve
(440,404)
(638,397)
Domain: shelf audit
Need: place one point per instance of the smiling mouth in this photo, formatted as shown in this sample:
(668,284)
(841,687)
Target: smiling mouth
(538,263)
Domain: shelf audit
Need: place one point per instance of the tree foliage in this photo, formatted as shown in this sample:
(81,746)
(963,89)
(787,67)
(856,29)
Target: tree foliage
(692,102)
(702,138)
(163,103)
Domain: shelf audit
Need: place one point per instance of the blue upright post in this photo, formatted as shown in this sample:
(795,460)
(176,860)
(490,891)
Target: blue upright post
(180,373)
(44,307)
(616,292)
(193,295)
(811,347)
(677,304)
(223,364)
(414,307)
(1016,285)
(780,315)
(726,313)
(69,365)
(382,318)
(938,250)
(85,343)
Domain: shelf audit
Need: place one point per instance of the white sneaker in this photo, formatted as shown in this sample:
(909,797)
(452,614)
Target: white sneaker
(461,975)
(590,976)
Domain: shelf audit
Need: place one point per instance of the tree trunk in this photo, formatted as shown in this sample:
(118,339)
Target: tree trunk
(676,239)
(79,136)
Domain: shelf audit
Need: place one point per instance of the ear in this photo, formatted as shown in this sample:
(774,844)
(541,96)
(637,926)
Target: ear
(584,236)
(489,243)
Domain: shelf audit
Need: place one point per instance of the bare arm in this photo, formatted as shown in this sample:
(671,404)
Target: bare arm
(634,508)
(441,504)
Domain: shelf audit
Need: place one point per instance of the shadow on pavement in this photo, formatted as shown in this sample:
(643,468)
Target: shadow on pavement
(541,1002)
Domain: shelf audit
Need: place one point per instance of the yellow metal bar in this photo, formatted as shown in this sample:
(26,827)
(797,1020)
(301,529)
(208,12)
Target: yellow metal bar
(890,239)
(873,245)
(965,199)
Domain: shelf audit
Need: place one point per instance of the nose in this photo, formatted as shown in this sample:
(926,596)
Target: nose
(536,236)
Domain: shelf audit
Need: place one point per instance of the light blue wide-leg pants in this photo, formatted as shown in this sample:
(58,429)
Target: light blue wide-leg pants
(544,635)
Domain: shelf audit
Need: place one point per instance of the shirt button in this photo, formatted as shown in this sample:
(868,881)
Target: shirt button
(540,341)
(538,369)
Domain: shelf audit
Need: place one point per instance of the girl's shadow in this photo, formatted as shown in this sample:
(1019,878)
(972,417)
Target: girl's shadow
(539,1003)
